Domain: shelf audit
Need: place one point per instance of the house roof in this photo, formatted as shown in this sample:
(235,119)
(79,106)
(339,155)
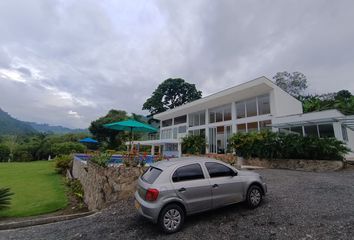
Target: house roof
(242,91)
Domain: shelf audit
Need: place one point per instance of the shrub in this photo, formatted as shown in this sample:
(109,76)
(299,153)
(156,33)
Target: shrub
(270,145)
(5,198)
(67,148)
(4,153)
(76,189)
(101,159)
(193,144)
(63,163)
(22,155)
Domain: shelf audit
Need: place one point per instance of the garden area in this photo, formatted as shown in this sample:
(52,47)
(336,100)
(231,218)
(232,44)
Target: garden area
(36,188)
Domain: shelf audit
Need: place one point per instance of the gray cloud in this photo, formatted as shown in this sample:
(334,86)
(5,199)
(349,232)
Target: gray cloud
(69,62)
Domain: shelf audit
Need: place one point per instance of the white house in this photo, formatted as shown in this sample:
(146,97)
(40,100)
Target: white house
(250,106)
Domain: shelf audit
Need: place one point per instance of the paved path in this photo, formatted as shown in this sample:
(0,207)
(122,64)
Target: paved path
(300,205)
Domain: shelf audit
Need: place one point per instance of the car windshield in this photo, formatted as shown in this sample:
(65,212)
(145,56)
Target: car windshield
(151,174)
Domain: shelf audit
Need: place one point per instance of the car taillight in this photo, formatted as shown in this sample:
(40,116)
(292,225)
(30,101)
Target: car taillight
(151,194)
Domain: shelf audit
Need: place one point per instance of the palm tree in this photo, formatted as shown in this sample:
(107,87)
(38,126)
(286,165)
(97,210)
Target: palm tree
(5,198)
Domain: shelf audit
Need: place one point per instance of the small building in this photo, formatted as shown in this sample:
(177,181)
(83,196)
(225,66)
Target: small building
(251,106)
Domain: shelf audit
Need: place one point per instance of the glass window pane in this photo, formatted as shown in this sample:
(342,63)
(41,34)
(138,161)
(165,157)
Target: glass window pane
(175,133)
(191,120)
(241,127)
(251,107)
(252,126)
(263,105)
(345,133)
(227,113)
(311,130)
(219,115)
(180,119)
(218,170)
(240,110)
(202,118)
(326,130)
(296,130)
(265,124)
(182,129)
(151,174)
(196,119)
(189,172)
(167,123)
(284,130)
(211,117)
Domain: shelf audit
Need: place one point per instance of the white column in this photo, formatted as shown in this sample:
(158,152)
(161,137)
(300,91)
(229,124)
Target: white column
(207,130)
(233,117)
(179,149)
(152,150)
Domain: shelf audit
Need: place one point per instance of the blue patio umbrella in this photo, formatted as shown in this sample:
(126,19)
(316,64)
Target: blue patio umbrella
(88,140)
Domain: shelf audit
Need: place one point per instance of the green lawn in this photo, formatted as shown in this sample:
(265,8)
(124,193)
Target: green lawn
(36,186)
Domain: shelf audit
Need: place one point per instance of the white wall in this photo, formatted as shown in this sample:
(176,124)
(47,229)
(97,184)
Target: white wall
(285,104)
(350,143)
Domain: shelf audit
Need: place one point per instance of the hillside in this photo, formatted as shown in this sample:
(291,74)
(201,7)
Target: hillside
(10,125)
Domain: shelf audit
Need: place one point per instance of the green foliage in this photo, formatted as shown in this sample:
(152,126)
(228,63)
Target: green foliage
(68,148)
(270,145)
(193,144)
(293,83)
(63,163)
(76,189)
(342,100)
(5,198)
(101,158)
(171,93)
(4,153)
(114,138)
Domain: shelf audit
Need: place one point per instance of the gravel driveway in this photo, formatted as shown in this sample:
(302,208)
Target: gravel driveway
(299,205)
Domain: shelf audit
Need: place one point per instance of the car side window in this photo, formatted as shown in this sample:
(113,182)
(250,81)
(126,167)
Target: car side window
(187,173)
(218,170)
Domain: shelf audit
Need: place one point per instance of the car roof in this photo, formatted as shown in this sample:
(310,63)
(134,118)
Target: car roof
(181,161)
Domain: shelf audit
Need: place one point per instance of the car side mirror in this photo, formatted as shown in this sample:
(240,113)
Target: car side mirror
(234,173)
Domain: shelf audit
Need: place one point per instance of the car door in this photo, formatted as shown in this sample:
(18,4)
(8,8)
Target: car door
(192,187)
(227,187)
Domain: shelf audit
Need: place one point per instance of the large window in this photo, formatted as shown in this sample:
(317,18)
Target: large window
(265,124)
(175,130)
(220,114)
(182,129)
(263,105)
(196,119)
(252,126)
(326,130)
(219,170)
(345,133)
(248,108)
(311,130)
(187,173)
(251,107)
(167,123)
(241,127)
(180,119)
(166,134)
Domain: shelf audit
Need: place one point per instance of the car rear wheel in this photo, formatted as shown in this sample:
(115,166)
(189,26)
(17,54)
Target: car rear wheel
(171,218)
(254,196)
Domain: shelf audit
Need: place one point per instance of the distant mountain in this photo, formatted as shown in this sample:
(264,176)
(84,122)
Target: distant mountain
(45,128)
(10,125)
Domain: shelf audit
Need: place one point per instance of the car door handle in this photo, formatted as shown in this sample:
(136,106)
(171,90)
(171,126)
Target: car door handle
(182,189)
(215,186)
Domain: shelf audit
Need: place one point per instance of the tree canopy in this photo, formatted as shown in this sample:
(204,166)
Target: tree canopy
(293,83)
(171,93)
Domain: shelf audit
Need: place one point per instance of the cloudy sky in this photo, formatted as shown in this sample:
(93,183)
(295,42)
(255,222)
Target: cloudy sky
(68,62)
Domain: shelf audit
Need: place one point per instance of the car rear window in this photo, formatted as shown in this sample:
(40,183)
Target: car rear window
(151,174)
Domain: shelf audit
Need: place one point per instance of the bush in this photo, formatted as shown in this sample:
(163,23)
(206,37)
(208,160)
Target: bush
(4,153)
(193,144)
(5,198)
(21,155)
(63,163)
(270,145)
(67,148)
(76,189)
(101,159)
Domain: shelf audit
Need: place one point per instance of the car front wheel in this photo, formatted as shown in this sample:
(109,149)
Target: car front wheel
(171,218)
(254,196)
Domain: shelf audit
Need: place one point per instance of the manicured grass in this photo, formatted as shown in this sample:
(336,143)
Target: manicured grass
(37,188)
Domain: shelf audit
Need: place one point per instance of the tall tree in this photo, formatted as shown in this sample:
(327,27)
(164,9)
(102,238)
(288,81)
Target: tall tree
(112,137)
(171,93)
(293,83)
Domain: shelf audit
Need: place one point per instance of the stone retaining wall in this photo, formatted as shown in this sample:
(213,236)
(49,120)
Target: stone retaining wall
(105,185)
(296,164)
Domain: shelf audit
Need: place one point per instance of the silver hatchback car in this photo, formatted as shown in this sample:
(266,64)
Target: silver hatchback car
(171,189)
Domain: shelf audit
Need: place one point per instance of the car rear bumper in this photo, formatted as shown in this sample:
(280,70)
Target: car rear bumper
(148,210)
